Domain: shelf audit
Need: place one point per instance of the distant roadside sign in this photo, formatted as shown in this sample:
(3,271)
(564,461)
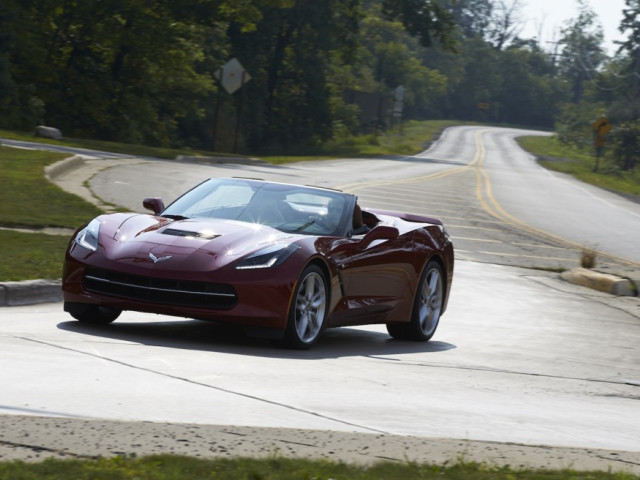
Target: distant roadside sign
(232,75)
(398,100)
(602,126)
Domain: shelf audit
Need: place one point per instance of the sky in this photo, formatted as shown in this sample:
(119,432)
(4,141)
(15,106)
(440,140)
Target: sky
(552,15)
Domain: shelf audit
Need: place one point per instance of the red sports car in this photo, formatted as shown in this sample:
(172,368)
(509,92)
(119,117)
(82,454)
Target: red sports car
(284,261)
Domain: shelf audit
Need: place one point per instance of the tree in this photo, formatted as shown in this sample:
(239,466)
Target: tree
(426,19)
(472,17)
(626,144)
(143,70)
(574,123)
(7,87)
(630,24)
(479,83)
(128,70)
(582,52)
(390,54)
(289,56)
(527,96)
(505,23)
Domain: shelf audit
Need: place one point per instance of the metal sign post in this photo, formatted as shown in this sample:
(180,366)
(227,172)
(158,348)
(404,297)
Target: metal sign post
(600,128)
(231,76)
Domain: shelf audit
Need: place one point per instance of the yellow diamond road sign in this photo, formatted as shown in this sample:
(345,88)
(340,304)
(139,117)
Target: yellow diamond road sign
(602,126)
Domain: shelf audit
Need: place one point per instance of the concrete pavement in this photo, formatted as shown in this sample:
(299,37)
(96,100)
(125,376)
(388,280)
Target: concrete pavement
(34,438)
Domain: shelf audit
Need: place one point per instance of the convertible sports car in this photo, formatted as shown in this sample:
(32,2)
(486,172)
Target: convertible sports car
(284,261)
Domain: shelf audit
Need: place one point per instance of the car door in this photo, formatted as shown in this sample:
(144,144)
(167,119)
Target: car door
(377,274)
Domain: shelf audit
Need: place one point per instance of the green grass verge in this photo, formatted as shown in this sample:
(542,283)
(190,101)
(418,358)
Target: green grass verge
(580,163)
(165,467)
(412,138)
(31,256)
(27,198)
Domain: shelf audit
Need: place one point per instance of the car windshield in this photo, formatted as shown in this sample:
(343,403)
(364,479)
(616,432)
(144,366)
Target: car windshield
(289,208)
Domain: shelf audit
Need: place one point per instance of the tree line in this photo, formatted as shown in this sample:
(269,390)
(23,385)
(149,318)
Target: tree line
(144,71)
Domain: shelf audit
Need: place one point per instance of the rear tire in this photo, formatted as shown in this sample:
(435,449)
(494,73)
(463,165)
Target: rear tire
(427,307)
(308,309)
(94,314)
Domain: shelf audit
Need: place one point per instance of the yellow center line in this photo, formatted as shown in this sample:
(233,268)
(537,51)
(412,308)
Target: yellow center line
(352,187)
(519,255)
(485,240)
(484,193)
(490,204)
(537,246)
(470,227)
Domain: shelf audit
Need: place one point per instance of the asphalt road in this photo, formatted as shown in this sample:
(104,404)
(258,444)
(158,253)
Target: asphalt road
(499,205)
(520,356)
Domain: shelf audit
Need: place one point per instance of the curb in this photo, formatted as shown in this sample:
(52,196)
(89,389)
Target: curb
(58,169)
(603,282)
(29,292)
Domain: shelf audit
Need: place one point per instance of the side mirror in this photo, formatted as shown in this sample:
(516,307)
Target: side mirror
(382,232)
(155,204)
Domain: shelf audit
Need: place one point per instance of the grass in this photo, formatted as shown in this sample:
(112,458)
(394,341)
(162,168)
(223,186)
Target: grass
(27,198)
(166,467)
(414,137)
(580,163)
(31,256)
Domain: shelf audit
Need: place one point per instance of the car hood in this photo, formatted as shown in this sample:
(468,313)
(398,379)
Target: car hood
(191,240)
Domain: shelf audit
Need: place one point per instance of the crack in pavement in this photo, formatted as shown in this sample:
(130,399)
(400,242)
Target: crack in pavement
(206,385)
(39,449)
(499,370)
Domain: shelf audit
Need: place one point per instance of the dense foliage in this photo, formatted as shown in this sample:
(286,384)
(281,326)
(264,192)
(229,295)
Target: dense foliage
(145,71)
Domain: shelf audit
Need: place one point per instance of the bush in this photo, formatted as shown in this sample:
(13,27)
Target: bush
(626,144)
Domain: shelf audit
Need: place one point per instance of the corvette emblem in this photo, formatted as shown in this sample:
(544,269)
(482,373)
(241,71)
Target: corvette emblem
(158,259)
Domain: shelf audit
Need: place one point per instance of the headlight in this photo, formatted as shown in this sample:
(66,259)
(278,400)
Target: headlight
(88,236)
(271,256)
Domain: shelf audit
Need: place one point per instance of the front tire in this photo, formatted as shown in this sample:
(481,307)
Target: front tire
(89,313)
(427,307)
(308,309)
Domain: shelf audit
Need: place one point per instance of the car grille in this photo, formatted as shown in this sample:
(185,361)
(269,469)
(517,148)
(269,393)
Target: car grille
(159,290)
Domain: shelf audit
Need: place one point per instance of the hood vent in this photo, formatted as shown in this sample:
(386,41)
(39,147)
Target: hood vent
(187,233)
